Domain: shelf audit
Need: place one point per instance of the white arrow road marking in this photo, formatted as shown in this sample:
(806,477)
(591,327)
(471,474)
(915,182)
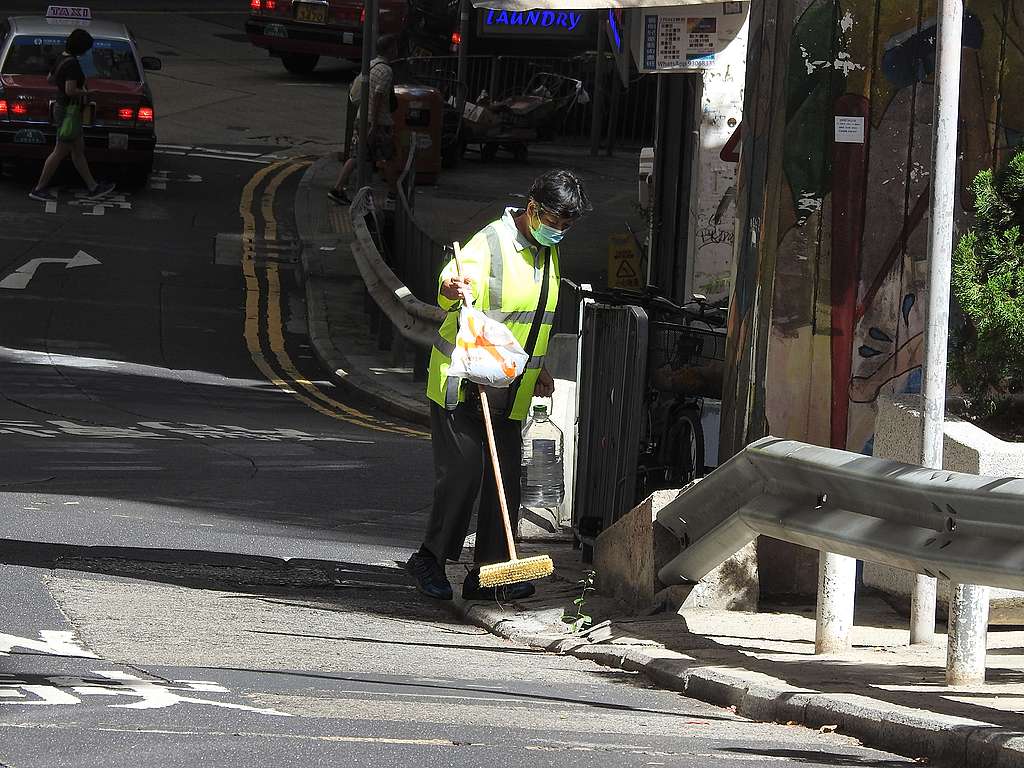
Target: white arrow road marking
(21,277)
(51,641)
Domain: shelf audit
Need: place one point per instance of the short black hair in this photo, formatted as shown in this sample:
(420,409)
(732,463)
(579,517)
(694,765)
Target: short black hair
(387,45)
(561,192)
(79,41)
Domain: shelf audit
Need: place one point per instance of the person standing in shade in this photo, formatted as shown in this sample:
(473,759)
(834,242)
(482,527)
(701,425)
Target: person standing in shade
(68,76)
(379,146)
(510,269)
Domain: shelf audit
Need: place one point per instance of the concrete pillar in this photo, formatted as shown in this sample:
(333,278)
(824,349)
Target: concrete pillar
(837,584)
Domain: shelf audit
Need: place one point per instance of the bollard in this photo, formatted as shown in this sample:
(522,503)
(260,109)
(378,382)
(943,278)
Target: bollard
(837,584)
(922,610)
(968,632)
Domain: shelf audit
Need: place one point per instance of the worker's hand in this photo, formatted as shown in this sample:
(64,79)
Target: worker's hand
(545,386)
(455,288)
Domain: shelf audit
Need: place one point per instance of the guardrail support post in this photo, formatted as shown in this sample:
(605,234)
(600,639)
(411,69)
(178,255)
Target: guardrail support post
(968,632)
(922,610)
(837,584)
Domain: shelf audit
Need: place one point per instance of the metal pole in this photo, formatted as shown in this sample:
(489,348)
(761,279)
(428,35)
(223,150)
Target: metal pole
(940,244)
(968,604)
(597,108)
(837,584)
(922,610)
(463,63)
(968,623)
(364,98)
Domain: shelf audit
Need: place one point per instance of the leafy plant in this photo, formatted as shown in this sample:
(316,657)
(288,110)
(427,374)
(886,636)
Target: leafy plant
(580,621)
(987,359)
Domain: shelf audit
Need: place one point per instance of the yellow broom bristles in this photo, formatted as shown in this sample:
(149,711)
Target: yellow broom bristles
(515,571)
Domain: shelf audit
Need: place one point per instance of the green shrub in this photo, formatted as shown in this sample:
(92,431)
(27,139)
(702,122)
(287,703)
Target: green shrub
(987,355)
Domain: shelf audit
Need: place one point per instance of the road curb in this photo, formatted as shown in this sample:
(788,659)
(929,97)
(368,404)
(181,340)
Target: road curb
(942,739)
(358,385)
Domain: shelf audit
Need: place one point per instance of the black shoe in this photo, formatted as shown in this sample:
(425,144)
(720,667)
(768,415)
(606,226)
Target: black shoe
(471,590)
(43,195)
(339,196)
(430,576)
(101,189)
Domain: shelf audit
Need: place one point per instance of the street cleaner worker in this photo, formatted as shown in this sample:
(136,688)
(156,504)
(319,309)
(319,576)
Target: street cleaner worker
(510,271)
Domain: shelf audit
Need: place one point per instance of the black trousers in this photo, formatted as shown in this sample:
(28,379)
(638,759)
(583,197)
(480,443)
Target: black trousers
(464,481)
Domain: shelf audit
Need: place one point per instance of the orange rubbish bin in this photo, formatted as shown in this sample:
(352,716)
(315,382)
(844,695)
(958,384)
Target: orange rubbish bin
(419,114)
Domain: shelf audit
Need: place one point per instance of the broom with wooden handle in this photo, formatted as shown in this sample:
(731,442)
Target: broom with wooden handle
(515,569)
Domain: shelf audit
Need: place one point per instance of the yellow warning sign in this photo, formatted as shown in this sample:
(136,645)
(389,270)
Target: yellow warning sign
(623,262)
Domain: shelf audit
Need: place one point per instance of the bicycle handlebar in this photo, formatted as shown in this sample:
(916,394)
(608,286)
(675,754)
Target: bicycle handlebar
(698,309)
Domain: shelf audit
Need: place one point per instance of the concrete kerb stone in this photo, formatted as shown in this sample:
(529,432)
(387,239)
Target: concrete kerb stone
(942,739)
(360,386)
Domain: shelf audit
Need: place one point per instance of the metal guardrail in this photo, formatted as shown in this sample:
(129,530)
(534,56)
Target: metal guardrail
(415,320)
(965,528)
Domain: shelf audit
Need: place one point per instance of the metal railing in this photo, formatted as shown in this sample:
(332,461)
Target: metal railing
(957,526)
(632,109)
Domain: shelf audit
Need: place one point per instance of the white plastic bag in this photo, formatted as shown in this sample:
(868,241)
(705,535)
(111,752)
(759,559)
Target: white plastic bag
(486,352)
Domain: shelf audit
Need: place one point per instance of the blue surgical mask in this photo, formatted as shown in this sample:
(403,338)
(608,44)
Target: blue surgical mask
(545,235)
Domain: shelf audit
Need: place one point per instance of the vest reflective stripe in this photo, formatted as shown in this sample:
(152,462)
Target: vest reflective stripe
(494,286)
(447,348)
(519,317)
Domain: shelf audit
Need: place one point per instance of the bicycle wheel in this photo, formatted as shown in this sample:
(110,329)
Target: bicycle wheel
(685,449)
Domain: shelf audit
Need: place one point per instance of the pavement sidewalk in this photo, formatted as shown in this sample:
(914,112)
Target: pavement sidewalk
(884,692)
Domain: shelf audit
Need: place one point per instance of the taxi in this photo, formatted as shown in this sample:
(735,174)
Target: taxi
(121,123)
(301,31)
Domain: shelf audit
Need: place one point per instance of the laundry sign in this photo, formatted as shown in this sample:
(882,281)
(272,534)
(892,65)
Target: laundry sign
(539,23)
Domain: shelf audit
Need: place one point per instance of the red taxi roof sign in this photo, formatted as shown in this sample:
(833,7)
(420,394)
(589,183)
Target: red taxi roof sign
(68,12)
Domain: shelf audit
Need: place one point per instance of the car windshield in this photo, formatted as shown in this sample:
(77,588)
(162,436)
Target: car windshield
(108,59)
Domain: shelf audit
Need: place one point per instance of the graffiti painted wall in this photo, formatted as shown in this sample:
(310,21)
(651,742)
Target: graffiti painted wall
(833,203)
(849,245)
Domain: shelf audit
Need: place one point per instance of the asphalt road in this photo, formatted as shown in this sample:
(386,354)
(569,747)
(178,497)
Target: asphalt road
(166,439)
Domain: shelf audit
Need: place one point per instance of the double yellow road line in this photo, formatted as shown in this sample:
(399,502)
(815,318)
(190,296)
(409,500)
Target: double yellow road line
(264,332)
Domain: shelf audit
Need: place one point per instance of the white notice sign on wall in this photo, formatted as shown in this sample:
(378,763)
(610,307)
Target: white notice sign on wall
(849,129)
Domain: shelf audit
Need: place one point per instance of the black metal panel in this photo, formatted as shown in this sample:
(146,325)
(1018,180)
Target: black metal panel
(612,387)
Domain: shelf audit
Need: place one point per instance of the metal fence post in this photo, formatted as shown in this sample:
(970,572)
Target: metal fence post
(597,105)
(837,585)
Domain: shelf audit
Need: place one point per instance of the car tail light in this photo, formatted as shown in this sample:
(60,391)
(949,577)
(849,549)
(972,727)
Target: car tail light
(3,107)
(126,113)
(269,5)
(19,109)
(362,16)
(456,39)
(145,115)
(255,5)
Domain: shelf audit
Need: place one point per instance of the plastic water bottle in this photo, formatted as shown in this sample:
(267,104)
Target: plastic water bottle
(543,480)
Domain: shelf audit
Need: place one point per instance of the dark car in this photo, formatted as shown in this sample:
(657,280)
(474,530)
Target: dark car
(121,120)
(301,31)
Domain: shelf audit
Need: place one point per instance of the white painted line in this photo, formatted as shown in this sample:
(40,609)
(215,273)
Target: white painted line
(173,146)
(235,158)
(98,210)
(51,207)
(167,152)
(157,184)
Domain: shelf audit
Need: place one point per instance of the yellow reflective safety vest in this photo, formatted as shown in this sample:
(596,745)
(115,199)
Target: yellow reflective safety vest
(507,279)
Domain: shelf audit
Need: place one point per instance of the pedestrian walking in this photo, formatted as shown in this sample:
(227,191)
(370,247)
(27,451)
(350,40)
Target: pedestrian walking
(72,94)
(510,270)
(379,146)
